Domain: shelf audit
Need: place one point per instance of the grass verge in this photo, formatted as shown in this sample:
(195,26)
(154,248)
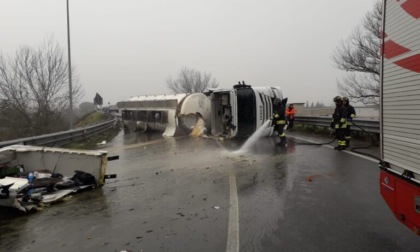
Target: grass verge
(93,142)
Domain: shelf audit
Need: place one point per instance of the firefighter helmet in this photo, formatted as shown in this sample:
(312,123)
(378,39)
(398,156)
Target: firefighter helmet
(276,101)
(345,99)
(337,99)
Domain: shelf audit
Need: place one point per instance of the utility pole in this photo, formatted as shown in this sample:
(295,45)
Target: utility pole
(69,54)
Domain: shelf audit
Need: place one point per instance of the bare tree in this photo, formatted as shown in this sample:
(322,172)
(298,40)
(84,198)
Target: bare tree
(34,90)
(360,56)
(191,81)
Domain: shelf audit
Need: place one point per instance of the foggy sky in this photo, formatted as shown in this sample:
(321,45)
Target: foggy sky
(123,48)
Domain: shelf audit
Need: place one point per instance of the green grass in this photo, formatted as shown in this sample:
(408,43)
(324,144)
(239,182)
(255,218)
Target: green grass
(91,143)
(91,119)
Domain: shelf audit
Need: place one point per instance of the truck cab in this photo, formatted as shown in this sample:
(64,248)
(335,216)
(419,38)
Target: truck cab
(240,111)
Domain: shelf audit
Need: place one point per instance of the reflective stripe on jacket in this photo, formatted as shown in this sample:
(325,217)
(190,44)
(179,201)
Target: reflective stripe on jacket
(351,112)
(278,119)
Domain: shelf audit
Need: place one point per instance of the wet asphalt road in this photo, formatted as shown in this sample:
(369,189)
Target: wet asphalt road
(175,194)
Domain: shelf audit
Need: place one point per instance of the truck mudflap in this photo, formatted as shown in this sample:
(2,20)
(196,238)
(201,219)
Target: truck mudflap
(403,198)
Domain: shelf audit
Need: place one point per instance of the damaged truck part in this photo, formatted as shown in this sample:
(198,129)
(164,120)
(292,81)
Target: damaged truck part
(39,175)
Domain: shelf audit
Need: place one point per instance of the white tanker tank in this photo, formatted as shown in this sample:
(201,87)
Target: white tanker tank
(170,114)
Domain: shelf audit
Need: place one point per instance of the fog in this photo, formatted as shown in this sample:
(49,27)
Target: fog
(126,48)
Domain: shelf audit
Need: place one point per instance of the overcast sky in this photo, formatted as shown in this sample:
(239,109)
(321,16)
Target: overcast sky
(123,48)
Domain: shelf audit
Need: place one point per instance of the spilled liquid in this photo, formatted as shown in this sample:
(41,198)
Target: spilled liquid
(254,138)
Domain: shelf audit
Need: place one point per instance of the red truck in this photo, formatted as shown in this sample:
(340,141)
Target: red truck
(400,110)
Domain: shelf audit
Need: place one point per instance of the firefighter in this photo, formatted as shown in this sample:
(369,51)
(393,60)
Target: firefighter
(279,119)
(351,114)
(339,122)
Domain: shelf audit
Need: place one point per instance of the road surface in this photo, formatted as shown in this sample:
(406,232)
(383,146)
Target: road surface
(197,194)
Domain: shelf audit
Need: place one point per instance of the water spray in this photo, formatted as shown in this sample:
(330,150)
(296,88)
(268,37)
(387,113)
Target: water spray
(306,143)
(254,137)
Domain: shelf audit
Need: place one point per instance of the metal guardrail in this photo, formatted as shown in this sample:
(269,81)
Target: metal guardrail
(368,125)
(63,137)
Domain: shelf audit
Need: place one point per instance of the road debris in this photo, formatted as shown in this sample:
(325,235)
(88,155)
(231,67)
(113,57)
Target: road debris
(32,176)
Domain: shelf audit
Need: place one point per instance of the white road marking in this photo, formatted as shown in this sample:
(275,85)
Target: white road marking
(233,225)
(348,152)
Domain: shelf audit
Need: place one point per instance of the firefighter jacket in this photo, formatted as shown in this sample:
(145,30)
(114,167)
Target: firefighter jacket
(351,112)
(291,112)
(278,114)
(339,118)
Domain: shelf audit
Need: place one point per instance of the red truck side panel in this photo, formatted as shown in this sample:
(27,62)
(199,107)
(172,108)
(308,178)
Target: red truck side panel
(403,198)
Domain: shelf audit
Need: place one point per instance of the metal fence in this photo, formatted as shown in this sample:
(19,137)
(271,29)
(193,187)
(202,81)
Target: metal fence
(64,137)
(371,126)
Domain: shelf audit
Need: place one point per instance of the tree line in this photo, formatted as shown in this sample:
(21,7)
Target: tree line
(34,93)
(314,105)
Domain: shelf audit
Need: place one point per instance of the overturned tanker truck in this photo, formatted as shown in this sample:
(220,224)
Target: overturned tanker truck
(230,113)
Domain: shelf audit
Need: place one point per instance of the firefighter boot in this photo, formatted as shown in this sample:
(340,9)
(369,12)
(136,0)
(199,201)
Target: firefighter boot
(341,145)
(340,148)
(282,142)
